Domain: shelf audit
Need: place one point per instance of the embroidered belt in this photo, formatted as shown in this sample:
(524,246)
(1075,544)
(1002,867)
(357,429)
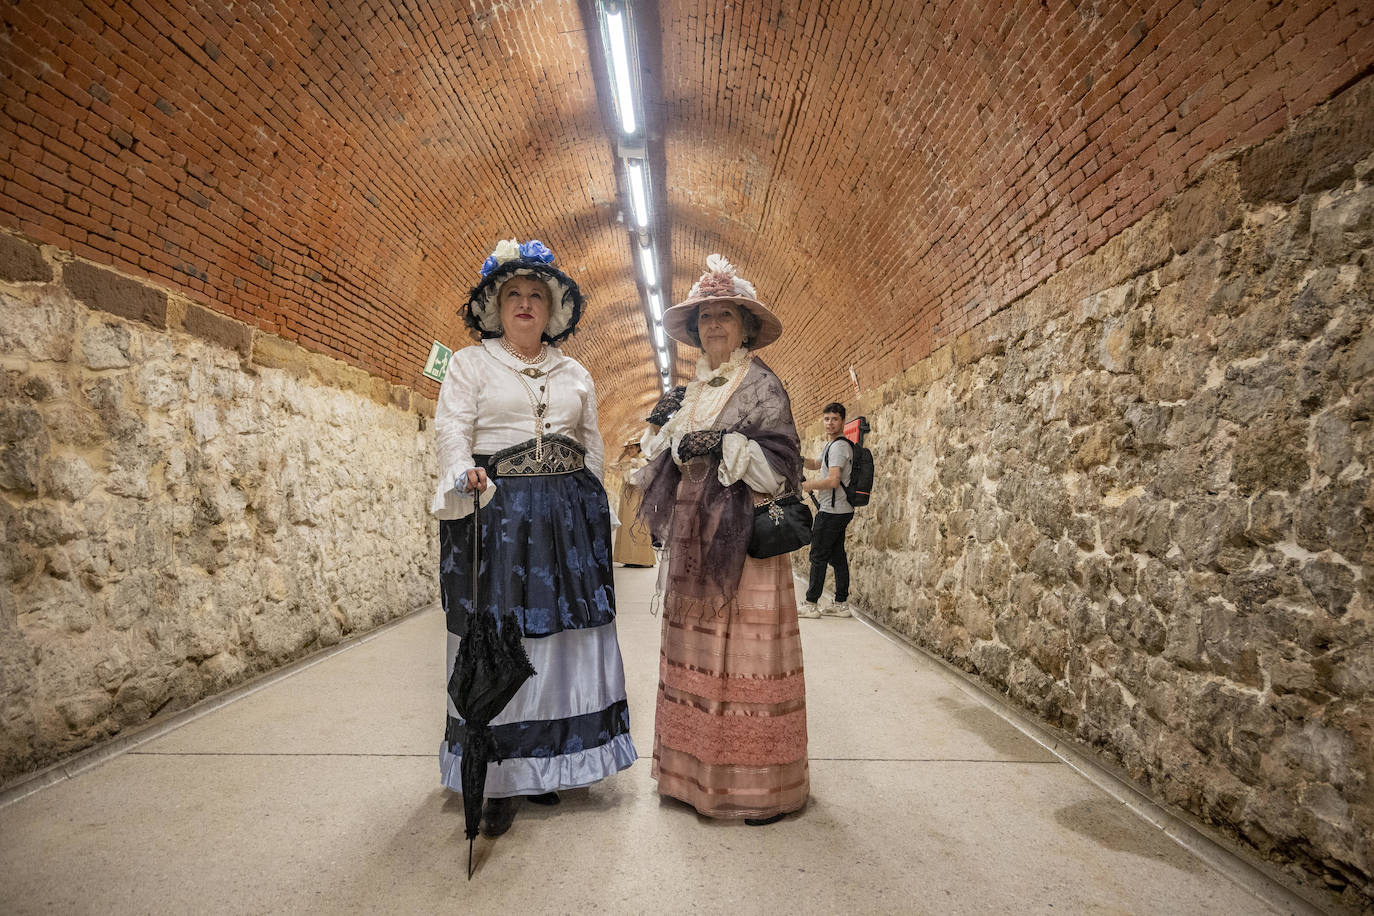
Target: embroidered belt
(559,455)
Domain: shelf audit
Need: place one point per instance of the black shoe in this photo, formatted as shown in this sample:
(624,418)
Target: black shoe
(764,821)
(544,798)
(497,815)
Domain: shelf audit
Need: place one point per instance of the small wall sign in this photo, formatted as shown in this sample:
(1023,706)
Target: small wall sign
(437,364)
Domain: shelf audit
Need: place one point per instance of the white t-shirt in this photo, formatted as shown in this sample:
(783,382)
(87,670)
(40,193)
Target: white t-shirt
(838,453)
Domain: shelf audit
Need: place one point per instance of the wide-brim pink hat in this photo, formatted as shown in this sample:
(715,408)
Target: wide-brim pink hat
(721,284)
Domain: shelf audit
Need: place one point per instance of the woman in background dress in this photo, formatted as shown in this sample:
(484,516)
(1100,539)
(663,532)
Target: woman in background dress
(632,546)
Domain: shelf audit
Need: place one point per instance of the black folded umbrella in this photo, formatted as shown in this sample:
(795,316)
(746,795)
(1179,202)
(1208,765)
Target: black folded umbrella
(490,668)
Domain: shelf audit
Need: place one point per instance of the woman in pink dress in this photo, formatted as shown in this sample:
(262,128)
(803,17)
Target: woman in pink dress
(730,721)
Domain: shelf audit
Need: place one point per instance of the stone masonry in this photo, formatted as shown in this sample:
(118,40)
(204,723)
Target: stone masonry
(1138,500)
(184,503)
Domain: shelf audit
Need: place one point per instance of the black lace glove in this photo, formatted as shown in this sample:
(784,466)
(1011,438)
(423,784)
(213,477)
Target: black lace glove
(700,444)
(667,406)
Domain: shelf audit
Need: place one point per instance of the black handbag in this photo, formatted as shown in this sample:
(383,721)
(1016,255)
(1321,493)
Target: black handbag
(781,525)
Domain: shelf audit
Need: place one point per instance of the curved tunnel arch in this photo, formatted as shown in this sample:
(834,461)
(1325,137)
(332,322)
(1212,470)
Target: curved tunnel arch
(1102,269)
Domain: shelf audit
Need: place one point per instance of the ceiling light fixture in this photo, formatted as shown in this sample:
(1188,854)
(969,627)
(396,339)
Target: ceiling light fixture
(646,262)
(618,34)
(637,178)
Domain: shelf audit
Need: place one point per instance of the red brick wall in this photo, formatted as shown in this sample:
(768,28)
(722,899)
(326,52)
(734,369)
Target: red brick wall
(330,172)
(886,173)
(891,173)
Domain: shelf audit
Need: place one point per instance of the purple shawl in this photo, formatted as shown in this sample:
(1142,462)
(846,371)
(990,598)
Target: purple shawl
(706,526)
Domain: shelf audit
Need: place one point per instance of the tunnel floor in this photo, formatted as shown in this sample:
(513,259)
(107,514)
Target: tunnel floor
(320,793)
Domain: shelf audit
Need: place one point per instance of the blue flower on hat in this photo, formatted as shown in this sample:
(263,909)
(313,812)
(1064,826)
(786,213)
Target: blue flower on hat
(535,250)
(488,265)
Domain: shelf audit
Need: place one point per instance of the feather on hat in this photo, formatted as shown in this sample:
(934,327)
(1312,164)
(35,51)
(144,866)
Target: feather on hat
(721,283)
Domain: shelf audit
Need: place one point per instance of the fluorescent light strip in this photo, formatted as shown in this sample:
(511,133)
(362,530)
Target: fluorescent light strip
(656,306)
(646,261)
(620,70)
(659,338)
(639,191)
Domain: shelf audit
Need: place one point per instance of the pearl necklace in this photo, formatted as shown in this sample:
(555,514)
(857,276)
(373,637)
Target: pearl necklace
(533,361)
(712,388)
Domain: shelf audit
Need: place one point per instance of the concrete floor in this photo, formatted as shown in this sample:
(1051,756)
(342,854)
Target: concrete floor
(320,794)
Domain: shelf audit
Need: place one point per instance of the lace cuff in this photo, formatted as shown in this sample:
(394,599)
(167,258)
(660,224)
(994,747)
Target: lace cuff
(699,444)
(452,502)
(667,406)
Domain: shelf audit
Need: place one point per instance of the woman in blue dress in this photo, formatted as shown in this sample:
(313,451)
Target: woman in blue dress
(516,428)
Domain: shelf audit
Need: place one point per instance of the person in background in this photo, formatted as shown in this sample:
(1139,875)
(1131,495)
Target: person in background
(632,547)
(516,428)
(832,518)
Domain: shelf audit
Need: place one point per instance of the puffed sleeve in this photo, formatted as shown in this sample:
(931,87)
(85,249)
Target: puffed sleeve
(590,434)
(590,437)
(455,420)
(651,443)
(742,459)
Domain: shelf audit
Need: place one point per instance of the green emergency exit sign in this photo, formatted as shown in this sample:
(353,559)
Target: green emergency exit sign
(437,364)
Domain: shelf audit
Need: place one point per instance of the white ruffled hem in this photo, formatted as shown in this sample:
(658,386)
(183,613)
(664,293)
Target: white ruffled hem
(536,775)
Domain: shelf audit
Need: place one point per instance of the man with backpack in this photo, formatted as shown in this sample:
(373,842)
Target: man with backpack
(833,516)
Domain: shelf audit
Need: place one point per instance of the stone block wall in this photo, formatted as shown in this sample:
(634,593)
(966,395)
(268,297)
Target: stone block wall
(1138,500)
(184,502)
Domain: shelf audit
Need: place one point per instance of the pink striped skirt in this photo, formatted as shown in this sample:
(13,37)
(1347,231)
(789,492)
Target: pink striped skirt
(730,721)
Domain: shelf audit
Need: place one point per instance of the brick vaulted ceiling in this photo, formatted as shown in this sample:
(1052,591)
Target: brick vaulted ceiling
(887,173)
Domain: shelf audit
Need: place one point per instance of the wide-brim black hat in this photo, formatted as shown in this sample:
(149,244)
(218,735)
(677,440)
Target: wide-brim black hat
(482,313)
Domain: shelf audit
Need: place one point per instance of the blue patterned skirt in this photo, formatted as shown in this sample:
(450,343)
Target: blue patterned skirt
(546,559)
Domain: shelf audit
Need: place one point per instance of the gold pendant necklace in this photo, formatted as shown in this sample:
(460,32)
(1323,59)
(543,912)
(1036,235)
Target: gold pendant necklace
(539,406)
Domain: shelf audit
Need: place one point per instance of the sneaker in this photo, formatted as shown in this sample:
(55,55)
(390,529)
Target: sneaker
(837,609)
(809,610)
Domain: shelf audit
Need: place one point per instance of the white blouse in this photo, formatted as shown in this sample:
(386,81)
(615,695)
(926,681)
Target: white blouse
(741,457)
(484,406)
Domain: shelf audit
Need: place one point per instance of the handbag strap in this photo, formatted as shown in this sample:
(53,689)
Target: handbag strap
(773,499)
(825,457)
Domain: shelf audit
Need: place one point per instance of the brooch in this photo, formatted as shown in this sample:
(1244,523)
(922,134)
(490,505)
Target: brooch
(532,372)
(717,381)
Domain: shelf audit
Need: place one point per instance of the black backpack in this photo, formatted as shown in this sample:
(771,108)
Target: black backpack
(860,485)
